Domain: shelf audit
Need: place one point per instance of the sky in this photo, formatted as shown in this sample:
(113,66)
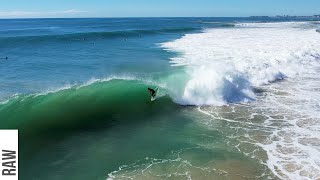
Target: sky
(155,8)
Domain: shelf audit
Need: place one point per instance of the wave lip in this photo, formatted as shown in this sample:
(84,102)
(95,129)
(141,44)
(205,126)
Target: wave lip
(76,106)
(207,87)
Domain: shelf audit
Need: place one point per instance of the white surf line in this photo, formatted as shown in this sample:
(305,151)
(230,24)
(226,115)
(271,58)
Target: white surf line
(233,121)
(142,168)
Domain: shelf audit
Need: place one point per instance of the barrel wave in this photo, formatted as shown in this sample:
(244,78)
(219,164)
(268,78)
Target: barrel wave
(80,106)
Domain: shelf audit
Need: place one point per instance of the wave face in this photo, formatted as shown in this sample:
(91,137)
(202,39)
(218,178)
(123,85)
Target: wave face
(77,106)
(224,64)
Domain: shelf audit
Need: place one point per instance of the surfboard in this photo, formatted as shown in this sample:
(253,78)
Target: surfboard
(155,96)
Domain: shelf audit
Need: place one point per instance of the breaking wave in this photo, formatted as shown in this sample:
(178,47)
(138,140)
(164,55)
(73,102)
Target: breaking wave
(76,106)
(225,65)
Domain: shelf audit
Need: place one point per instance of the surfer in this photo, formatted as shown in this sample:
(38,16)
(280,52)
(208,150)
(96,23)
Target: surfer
(4,58)
(152,92)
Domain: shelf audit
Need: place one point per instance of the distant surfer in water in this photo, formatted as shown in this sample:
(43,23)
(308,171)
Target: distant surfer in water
(4,58)
(152,92)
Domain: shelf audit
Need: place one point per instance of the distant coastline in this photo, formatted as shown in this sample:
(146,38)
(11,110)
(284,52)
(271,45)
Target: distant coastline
(154,17)
(286,16)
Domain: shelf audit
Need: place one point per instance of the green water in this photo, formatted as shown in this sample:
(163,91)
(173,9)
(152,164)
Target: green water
(86,133)
(169,144)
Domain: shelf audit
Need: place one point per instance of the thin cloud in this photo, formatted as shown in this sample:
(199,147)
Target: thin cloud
(26,14)
(73,11)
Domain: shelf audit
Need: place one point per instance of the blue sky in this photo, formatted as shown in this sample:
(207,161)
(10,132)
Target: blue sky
(155,8)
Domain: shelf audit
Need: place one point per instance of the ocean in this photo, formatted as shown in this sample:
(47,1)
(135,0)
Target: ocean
(239,98)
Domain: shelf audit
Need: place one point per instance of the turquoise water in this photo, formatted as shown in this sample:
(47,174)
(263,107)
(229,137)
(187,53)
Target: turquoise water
(229,105)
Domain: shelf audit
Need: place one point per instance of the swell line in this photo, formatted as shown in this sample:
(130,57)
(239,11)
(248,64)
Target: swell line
(99,35)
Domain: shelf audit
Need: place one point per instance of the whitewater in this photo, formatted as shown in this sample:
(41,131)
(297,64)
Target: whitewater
(270,68)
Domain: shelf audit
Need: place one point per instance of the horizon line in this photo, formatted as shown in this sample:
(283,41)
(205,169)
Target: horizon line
(119,17)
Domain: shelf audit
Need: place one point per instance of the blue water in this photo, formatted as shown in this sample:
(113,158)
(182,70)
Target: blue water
(46,54)
(50,53)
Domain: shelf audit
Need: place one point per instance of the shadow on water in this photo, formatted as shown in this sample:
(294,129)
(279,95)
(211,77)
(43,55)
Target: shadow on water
(103,143)
(91,127)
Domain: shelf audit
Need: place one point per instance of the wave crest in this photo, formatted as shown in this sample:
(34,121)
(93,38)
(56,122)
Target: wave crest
(207,87)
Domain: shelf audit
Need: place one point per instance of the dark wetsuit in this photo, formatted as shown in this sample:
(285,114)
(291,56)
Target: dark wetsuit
(152,92)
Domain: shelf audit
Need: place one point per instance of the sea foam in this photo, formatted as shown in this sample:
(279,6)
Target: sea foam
(224,64)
